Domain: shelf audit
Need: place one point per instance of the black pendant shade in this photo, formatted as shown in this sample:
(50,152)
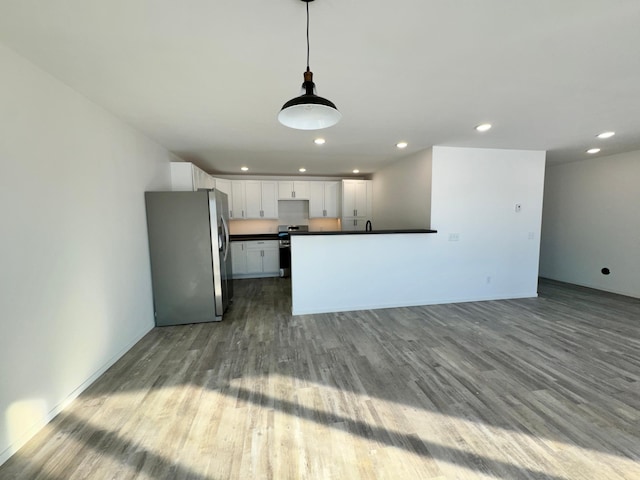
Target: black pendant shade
(309,111)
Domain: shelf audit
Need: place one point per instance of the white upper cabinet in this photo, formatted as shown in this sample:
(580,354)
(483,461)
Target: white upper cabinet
(293,190)
(324,199)
(261,199)
(269,200)
(332,199)
(357,199)
(354,198)
(224,186)
(185,176)
(253,198)
(239,210)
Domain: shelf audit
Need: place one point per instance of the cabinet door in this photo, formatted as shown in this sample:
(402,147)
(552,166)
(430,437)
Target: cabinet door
(202,179)
(253,198)
(285,190)
(368,208)
(238,258)
(224,186)
(331,199)
(349,224)
(354,198)
(316,200)
(353,224)
(237,200)
(254,261)
(271,260)
(301,190)
(182,177)
(349,198)
(360,198)
(269,200)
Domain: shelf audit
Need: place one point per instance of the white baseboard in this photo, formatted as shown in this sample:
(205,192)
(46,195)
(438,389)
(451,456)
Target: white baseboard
(416,303)
(595,287)
(9,451)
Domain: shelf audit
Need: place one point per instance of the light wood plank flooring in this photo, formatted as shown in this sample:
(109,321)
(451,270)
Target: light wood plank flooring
(545,388)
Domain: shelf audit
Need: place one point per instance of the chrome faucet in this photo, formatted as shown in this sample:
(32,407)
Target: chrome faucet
(367,226)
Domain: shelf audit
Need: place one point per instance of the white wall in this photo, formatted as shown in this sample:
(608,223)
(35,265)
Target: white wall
(474,194)
(75,288)
(402,193)
(591,221)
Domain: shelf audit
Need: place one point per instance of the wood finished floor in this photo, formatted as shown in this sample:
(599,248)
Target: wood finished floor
(545,388)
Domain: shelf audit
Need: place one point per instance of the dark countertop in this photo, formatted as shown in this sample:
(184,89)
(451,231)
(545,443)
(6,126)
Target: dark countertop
(373,232)
(247,237)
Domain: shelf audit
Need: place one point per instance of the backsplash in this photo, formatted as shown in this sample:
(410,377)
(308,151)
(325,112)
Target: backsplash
(293,212)
(246,227)
(324,225)
(243,227)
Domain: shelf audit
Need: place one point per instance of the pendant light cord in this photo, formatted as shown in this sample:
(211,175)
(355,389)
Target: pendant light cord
(307,36)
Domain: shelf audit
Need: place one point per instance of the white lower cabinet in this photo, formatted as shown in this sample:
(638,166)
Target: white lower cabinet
(255,258)
(238,259)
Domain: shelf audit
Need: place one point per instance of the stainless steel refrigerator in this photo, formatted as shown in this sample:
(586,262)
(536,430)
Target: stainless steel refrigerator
(190,255)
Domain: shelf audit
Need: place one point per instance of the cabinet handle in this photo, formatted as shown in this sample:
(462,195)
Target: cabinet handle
(324,213)
(261,213)
(294,194)
(262,253)
(242,213)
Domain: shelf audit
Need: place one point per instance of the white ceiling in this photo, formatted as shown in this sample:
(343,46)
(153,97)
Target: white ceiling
(206,78)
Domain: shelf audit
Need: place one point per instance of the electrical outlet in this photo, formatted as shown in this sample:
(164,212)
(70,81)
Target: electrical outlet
(532,235)
(488,280)
(454,237)
(518,207)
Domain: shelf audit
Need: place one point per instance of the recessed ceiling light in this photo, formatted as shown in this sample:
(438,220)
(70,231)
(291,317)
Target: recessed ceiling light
(593,150)
(402,144)
(244,169)
(319,141)
(606,134)
(483,127)
(302,170)
(356,171)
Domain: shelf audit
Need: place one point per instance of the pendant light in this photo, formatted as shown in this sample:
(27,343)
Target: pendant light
(309,111)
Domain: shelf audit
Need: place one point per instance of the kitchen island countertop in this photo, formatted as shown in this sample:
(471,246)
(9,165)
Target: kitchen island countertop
(246,237)
(372,232)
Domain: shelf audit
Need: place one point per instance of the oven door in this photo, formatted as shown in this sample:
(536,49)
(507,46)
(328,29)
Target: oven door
(285,257)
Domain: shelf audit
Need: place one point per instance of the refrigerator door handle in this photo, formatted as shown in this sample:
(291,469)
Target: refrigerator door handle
(226,237)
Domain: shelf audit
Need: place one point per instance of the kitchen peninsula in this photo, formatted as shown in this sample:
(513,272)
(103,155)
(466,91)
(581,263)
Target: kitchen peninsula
(342,271)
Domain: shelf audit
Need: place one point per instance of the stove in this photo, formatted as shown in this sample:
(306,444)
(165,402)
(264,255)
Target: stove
(285,246)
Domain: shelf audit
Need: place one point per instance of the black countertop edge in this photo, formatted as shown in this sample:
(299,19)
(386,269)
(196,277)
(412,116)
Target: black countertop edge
(253,236)
(373,232)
